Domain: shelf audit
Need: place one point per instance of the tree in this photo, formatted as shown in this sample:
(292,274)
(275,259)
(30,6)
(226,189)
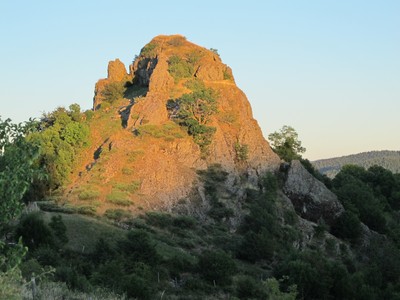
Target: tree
(17,171)
(17,167)
(194,112)
(285,143)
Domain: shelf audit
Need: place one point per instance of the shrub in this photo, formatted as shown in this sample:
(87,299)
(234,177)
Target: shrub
(149,50)
(216,267)
(89,210)
(113,91)
(347,226)
(117,214)
(242,151)
(179,68)
(158,219)
(119,198)
(127,171)
(131,187)
(59,229)
(88,194)
(34,231)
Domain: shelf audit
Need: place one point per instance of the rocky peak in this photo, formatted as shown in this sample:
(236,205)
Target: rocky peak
(167,69)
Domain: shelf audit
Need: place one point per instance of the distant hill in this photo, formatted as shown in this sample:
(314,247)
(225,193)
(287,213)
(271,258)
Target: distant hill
(388,159)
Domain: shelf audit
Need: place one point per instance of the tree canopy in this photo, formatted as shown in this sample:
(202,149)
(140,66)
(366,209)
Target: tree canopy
(286,144)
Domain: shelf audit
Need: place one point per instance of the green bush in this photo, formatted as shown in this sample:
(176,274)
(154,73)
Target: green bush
(159,219)
(347,226)
(117,214)
(34,231)
(242,151)
(89,194)
(216,267)
(113,91)
(149,50)
(119,198)
(131,187)
(179,68)
(59,229)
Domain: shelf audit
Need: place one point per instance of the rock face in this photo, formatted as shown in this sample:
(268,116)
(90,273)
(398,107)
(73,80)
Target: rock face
(116,72)
(311,199)
(169,157)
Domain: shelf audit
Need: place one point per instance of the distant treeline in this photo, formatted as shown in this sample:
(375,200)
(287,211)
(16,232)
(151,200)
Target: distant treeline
(389,160)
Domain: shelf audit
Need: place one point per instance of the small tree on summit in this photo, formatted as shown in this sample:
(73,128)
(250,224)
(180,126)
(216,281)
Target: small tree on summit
(285,143)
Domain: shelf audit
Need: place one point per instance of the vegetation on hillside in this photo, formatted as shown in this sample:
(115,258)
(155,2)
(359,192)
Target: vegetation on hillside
(194,110)
(387,159)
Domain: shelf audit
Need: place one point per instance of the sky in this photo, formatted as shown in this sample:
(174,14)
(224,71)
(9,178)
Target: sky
(330,69)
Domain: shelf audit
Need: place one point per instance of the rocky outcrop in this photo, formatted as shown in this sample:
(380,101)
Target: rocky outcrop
(310,197)
(116,72)
(169,159)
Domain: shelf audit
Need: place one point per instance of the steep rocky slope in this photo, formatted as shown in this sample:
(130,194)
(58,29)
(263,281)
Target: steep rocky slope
(141,154)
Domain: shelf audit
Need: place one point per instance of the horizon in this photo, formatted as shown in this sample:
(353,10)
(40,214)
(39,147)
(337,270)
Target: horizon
(331,71)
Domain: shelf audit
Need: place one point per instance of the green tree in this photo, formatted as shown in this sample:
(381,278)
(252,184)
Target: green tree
(17,170)
(63,134)
(194,111)
(216,267)
(113,91)
(18,167)
(285,143)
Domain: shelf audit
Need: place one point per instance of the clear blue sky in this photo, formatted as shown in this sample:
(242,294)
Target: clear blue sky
(330,69)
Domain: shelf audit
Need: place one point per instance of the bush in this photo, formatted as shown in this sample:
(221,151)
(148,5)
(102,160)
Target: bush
(119,198)
(179,68)
(113,91)
(347,226)
(216,267)
(59,229)
(242,151)
(117,214)
(131,187)
(88,194)
(34,231)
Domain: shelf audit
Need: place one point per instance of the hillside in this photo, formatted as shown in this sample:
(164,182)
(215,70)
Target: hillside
(387,159)
(146,145)
(167,189)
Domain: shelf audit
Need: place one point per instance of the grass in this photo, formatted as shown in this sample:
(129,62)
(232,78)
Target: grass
(119,198)
(168,131)
(89,194)
(127,171)
(83,232)
(131,187)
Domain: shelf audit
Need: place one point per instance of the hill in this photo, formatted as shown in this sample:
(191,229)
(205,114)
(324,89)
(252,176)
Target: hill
(387,159)
(186,200)
(178,111)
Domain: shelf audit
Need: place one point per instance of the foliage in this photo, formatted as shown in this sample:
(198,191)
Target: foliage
(242,151)
(149,50)
(390,160)
(272,287)
(89,194)
(113,91)
(193,111)
(18,167)
(347,226)
(179,68)
(118,198)
(34,232)
(262,232)
(216,267)
(63,133)
(285,143)
(357,195)
(59,229)
(215,51)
